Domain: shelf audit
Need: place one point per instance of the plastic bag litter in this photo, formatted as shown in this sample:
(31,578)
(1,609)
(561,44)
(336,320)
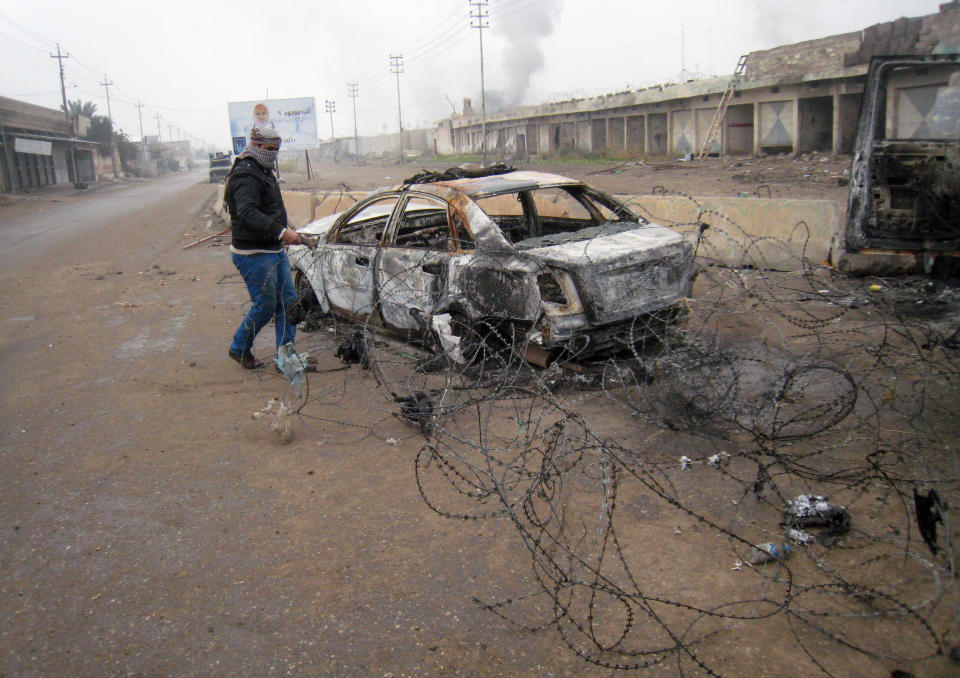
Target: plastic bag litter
(292,365)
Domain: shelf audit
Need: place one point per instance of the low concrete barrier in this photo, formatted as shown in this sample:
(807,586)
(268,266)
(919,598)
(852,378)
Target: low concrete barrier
(300,205)
(219,206)
(332,202)
(759,232)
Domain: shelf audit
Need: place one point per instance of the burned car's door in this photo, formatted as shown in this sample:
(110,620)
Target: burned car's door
(350,258)
(905,174)
(414,264)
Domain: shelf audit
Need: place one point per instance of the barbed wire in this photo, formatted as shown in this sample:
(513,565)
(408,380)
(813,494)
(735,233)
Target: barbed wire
(641,479)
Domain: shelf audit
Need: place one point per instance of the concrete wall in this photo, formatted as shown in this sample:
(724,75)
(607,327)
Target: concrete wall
(800,59)
(769,234)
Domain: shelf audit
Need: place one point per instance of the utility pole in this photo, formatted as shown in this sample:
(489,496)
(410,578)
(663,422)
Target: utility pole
(113,161)
(159,145)
(143,140)
(683,60)
(480,21)
(352,92)
(72,169)
(331,109)
(63,88)
(396,66)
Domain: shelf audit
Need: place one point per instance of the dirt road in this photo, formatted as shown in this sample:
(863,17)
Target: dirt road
(152,527)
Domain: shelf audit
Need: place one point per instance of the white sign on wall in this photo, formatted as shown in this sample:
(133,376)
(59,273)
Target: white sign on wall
(32,146)
(295,120)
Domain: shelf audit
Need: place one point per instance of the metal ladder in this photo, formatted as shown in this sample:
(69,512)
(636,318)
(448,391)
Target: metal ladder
(721,113)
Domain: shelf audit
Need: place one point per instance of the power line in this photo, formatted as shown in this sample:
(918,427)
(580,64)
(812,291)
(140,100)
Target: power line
(48,43)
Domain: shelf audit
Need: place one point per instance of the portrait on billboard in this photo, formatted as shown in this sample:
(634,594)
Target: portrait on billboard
(293,119)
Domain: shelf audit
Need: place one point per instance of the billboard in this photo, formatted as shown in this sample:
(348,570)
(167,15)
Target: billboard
(295,120)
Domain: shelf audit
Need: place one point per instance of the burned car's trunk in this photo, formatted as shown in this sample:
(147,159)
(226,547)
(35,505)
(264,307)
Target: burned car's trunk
(905,178)
(625,274)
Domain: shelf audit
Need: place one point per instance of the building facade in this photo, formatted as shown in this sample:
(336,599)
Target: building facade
(41,147)
(790,99)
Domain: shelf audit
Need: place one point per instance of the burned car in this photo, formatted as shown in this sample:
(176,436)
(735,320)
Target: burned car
(450,259)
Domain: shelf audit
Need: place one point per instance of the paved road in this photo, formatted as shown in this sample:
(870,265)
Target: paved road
(26,234)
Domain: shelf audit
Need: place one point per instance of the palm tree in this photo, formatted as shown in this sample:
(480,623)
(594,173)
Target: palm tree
(86,108)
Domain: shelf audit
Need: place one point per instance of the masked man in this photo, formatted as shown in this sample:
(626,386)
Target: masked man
(258,223)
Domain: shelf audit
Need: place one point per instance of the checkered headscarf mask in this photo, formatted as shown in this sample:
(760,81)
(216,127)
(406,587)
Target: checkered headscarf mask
(262,135)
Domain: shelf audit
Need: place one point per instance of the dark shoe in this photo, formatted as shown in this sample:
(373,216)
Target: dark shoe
(246,359)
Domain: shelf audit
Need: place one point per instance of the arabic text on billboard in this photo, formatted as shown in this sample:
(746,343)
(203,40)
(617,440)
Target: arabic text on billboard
(294,120)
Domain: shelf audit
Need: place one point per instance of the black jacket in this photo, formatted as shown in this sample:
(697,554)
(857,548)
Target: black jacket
(257,214)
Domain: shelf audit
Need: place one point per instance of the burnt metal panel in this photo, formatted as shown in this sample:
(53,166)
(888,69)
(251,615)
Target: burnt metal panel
(904,193)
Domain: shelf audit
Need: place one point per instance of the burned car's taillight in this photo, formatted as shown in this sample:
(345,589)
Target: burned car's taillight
(550,289)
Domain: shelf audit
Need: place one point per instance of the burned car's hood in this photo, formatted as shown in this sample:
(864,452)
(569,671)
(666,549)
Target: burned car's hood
(321,226)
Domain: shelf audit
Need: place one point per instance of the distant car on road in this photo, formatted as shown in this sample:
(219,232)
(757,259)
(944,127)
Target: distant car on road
(220,164)
(540,257)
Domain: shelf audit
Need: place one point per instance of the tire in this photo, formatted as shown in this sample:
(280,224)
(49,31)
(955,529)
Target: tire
(308,309)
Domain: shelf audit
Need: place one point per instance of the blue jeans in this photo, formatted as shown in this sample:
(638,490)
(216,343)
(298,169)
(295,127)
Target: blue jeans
(272,292)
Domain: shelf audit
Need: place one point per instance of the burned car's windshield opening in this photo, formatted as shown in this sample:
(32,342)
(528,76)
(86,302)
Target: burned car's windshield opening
(553,215)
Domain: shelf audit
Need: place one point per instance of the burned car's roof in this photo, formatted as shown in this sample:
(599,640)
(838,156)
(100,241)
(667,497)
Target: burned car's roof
(494,184)
(477,187)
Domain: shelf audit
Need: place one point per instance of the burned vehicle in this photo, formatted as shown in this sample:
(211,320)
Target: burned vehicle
(220,164)
(904,205)
(450,259)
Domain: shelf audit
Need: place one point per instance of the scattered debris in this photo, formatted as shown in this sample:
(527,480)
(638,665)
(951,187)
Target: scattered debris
(765,553)
(292,365)
(929,512)
(280,414)
(417,409)
(812,510)
(353,351)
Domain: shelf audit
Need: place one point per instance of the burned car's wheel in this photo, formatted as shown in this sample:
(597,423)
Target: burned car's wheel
(308,309)
(483,339)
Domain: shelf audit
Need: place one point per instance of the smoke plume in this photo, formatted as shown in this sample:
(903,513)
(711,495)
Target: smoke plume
(523,56)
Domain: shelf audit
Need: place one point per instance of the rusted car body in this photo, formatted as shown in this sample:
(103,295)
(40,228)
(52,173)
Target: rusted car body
(550,259)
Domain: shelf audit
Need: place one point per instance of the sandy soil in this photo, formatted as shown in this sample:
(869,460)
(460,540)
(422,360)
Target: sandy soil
(153,526)
(813,175)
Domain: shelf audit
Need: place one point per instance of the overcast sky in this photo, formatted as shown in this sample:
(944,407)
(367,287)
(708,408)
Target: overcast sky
(185,60)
